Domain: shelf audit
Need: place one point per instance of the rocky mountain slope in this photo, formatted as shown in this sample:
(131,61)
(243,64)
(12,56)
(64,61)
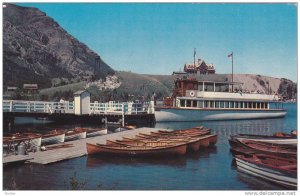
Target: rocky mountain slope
(36,49)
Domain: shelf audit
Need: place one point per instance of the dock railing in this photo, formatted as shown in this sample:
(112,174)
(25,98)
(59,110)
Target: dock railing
(37,106)
(119,107)
(68,107)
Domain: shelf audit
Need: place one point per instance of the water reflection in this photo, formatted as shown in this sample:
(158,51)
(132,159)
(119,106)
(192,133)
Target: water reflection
(255,183)
(176,161)
(207,169)
(100,161)
(226,128)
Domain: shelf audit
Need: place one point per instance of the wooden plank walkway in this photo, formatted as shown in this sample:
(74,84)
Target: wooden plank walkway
(16,159)
(78,147)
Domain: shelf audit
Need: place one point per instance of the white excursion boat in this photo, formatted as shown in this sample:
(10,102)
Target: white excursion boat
(194,100)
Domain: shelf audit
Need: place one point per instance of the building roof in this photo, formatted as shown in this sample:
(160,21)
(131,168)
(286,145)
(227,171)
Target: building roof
(179,72)
(80,92)
(30,86)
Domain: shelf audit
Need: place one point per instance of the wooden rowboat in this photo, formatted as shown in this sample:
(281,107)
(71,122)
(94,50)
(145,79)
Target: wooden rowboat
(34,139)
(75,135)
(53,137)
(192,143)
(146,143)
(185,131)
(96,132)
(265,148)
(187,134)
(278,170)
(125,128)
(167,150)
(280,140)
(92,132)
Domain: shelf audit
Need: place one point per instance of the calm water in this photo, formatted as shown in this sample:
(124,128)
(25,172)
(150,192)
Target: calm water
(208,169)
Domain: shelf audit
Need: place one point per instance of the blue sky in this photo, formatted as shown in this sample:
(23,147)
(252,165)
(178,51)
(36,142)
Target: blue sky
(160,38)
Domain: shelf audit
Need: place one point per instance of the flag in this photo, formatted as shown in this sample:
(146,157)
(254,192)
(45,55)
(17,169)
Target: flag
(230,55)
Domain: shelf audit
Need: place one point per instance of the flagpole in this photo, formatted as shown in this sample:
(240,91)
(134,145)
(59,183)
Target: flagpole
(231,66)
(232,70)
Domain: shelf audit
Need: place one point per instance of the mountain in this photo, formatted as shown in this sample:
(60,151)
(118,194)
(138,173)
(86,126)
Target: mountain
(36,50)
(132,86)
(163,85)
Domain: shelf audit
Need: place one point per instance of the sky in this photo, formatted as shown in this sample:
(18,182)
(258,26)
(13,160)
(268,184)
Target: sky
(160,38)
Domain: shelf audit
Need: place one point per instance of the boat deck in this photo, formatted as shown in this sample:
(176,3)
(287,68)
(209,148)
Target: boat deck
(74,149)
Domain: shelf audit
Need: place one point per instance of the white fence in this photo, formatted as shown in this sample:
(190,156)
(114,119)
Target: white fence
(68,107)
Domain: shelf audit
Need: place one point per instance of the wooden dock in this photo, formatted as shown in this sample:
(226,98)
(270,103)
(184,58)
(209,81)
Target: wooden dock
(75,148)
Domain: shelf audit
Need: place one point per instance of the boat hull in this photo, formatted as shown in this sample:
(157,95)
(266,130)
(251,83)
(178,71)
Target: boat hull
(280,177)
(182,114)
(166,151)
(96,133)
(269,139)
(75,136)
(36,142)
(54,139)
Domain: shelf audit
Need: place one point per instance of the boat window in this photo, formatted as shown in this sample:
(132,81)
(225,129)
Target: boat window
(179,84)
(209,87)
(258,105)
(245,104)
(242,104)
(217,104)
(188,103)
(182,103)
(200,104)
(226,104)
(206,104)
(194,104)
(231,104)
(266,105)
(236,104)
(221,104)
(195,86)
(211,105)
(250,104)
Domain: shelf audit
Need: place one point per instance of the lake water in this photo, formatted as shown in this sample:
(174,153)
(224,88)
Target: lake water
(208,169)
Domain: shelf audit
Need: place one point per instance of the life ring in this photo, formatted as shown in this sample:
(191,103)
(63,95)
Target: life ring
(192,93)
